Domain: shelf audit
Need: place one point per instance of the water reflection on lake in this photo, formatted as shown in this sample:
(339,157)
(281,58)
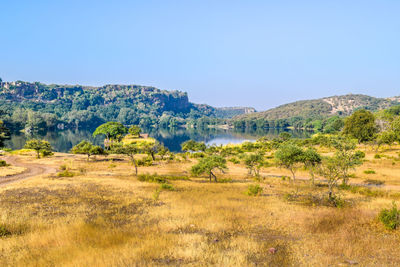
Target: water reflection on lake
(63,141)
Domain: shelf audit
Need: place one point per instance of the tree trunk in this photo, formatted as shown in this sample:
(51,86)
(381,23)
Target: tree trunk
(215,177)
(294,176)
(38,154)
(88,157)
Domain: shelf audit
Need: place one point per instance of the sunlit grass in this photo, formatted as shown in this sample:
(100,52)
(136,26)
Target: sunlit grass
(105,216)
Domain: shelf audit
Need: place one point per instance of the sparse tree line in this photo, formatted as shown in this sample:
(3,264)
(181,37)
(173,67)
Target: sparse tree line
(362,127)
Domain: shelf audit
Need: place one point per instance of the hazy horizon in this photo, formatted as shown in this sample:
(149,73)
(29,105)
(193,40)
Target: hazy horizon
(259,54)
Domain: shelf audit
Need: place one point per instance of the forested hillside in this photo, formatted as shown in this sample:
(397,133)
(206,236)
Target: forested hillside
(312,113)
(37,105)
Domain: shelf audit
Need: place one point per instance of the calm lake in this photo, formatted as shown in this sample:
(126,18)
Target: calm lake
(63,141)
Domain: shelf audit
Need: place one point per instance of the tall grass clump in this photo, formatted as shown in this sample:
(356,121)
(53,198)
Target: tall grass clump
(254,190)
(390,217)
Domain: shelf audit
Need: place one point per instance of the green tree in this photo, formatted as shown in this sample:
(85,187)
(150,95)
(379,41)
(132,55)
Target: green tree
(112,130)
(395,126)
(135,130)
(385,138)
(289,156)
(87,148)
(130,150)
(41,147)
(193,146)
(331,170)
(254,162)
(208,165)
(162,151)
(311,160)
(361,126)
(346,156)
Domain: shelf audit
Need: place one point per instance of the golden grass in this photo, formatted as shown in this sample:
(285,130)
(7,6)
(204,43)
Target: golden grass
(11,170)
(104,216)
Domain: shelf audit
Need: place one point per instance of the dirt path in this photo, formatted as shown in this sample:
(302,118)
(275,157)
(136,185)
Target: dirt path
(32,169)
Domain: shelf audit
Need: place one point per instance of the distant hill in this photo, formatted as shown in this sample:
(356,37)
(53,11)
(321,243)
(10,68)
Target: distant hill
(85,106)
(300,112)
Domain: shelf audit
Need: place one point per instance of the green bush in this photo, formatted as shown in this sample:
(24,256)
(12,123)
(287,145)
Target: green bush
(66,173)
(152,178)
(377,156)
(254,190)
(168,187)
(4,231)
(390,217)
(162,179)
(369,172)
(147,161)
(3,163)
(63,167)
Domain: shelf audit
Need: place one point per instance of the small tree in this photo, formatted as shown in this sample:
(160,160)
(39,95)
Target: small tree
(162,151)
(361,125)
(41,147)
(135,130)
(289,156)
(330,169)
(194,146)
(87,148)
(311,160)
(208,165)
(346,156)
(127,149)
(385,138)
(254,162)
(112,131)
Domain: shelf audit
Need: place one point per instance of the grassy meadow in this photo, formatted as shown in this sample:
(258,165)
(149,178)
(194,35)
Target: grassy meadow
(98,213)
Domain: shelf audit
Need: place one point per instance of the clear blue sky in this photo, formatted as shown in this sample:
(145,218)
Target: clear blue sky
(224,53)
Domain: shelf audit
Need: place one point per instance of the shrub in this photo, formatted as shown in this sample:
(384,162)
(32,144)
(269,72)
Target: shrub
(390,217)
(197,155)
(254,190)
(369,172)
(162,179)
(377,156)
(3,163)
(152,178)
(168,187)
(4,231)
(316,200)
(66,173)
(63,167)
(147,161)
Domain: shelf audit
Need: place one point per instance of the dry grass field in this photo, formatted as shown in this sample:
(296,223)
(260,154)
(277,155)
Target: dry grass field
(104,216)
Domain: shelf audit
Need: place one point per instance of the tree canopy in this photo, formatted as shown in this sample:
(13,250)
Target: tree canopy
(112,130)
(208,164)
(361,125)
(41,147)
(87,148)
